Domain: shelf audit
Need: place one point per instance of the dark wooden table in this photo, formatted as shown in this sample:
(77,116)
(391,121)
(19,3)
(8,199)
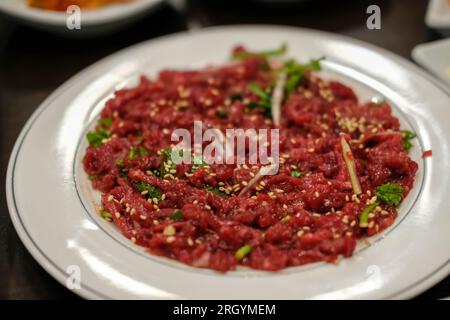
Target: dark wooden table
(34,63)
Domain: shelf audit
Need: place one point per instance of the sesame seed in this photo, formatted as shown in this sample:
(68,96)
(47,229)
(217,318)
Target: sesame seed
(170,239)
(110,197)
(133,239)
(169,230)
(117,214)
(353,223)
(300,233)
(190,241)
(143,217)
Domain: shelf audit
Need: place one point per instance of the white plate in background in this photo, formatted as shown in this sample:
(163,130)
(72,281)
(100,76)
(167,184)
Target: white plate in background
(435,57)
(93,22)
(438,16)
(52,204)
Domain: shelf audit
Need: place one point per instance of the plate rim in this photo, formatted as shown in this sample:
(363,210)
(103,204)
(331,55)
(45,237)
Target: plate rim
(91,18)
(86,292)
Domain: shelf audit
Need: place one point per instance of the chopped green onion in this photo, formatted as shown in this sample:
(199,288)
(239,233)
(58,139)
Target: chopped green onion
(151,191)
(265,103)
(295,72)
(390,193)
(243,251)
(216,190)
(119,163)
(258,91)
(177,215)
(285,218)
(365,215)
(105,122)
(138,152)
(351,166)
(297,174)
(96,138)
(267,53)
(292,82)
(106,215)
(407,137)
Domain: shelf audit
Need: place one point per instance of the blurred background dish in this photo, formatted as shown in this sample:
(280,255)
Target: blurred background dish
(435,57)
(438,16)
(105,18)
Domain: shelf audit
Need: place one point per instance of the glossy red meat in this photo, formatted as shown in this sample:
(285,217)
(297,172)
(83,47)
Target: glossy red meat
(322,212)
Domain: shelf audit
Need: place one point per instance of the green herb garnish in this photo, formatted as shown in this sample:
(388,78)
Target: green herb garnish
(105,122)
(285,218)
(216,190)
(295,72)
(265,99)
(106,215)
(96,138)
(390,193)
(151,191)
(365,215)
(138,152)
(177,215)
(198,162)
(242,252)
(407,137)
(297,174)
(266,53)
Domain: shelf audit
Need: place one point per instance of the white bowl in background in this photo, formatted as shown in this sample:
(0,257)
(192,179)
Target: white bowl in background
(435,57)
(438,16)
(93,22)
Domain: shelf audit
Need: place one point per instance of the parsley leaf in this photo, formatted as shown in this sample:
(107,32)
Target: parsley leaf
(96,138)
(151,191)
(390,193)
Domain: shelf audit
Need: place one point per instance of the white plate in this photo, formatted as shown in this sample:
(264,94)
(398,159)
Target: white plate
(53,206)
(93,22)
(438,16)
(434,56)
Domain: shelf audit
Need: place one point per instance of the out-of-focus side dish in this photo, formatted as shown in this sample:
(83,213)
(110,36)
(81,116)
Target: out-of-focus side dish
(61,5)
